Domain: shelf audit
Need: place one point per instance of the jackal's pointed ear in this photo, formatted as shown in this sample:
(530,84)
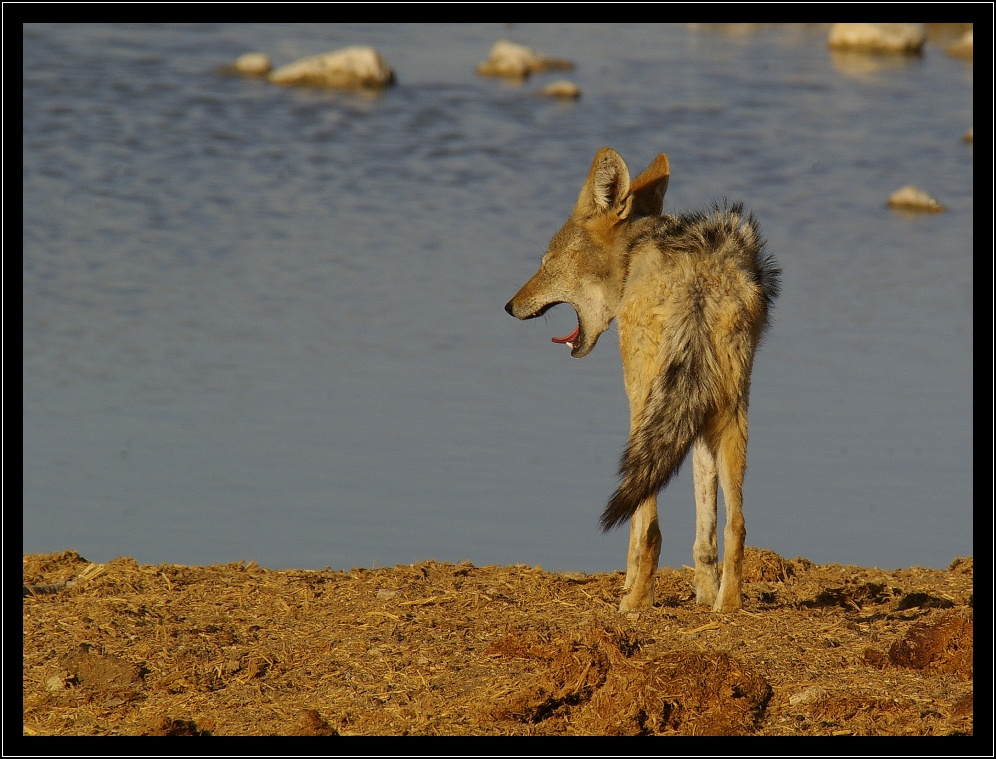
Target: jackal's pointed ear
(607,188)
(648,189)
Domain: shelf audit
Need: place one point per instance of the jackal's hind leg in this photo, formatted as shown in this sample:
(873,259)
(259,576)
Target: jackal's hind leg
(732,460)
(641,560)
(632,554)
(704,550)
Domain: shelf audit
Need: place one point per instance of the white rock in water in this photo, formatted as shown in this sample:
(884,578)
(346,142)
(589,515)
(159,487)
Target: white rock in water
(356,67)
(561,89)
(963,47)
(509,59)
(914,199)
(253,64)
(878,38)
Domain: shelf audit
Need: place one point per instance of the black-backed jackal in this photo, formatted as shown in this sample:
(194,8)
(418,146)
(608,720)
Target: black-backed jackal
(691,294)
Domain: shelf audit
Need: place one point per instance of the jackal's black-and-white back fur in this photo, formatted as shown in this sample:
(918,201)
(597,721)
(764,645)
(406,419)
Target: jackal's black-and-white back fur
(690,382)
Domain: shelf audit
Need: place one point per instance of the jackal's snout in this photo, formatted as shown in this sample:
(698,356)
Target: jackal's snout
(523,305)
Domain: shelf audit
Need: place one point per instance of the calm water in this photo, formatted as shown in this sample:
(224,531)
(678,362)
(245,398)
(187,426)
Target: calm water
(266,323)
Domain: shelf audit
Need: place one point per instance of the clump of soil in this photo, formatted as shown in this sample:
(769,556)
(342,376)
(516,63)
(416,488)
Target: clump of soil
(942,646)
(436,648)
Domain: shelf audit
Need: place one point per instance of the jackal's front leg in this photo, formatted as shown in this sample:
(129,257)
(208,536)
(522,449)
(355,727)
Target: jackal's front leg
(641,560)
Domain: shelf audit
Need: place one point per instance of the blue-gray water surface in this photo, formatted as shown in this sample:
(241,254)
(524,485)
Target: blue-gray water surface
(267,323)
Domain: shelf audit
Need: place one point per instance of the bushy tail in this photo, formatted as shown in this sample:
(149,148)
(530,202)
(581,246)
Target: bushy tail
(680,399)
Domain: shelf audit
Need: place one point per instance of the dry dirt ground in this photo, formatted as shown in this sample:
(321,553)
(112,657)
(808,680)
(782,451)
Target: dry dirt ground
(454,649)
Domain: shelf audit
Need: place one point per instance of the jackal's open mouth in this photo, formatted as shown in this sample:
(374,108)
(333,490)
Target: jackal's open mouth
(571,339)
(575,340)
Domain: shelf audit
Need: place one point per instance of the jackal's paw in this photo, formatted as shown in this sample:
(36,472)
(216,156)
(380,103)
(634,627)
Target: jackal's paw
(636,602)
(728,603)
(706,584)
(706,595)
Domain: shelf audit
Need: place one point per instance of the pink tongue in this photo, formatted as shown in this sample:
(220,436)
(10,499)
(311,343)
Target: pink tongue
(570,338)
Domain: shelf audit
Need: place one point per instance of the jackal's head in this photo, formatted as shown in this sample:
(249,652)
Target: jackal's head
(585,263)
